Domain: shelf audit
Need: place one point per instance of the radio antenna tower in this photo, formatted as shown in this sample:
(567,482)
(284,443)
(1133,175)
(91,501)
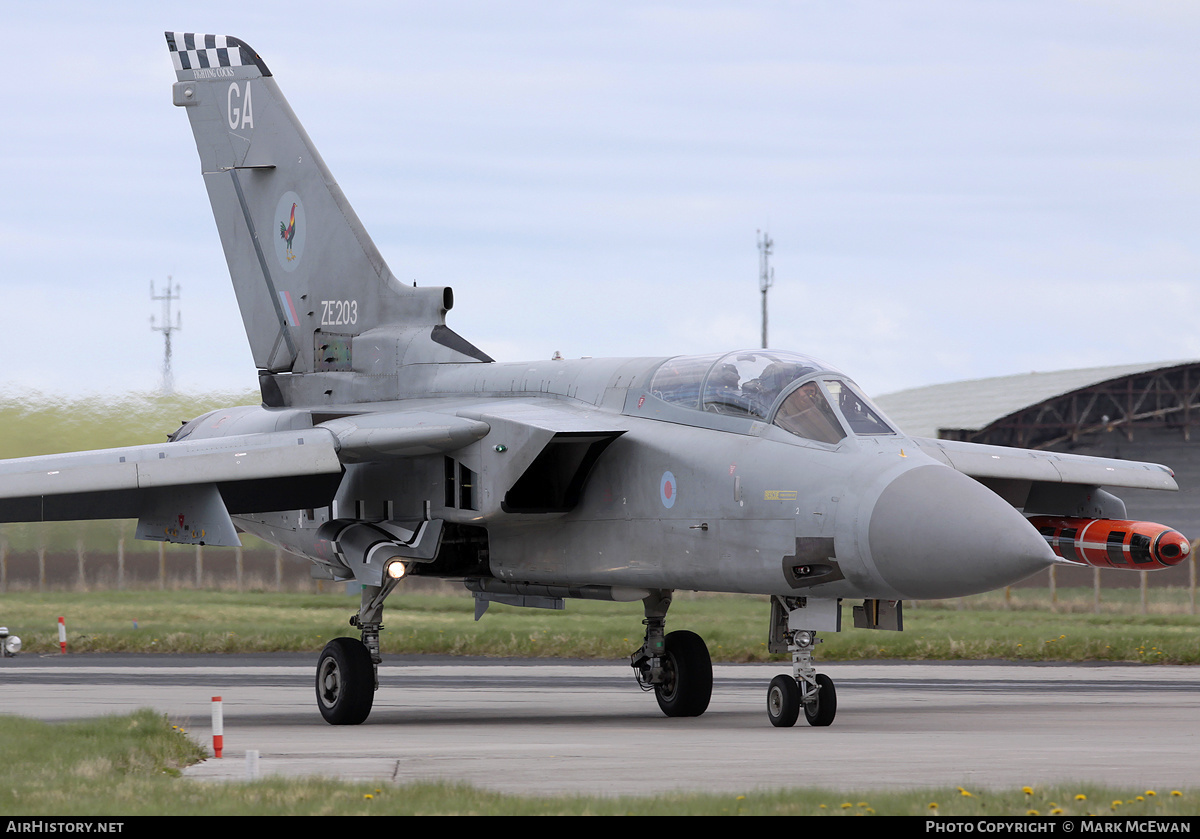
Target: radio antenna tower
(171,294)
(766,276)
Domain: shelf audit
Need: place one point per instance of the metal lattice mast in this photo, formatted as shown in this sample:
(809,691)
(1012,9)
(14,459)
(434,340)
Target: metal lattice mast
(766,276)
(171,294)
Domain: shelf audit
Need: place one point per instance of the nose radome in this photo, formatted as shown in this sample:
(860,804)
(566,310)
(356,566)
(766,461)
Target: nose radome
(935,532)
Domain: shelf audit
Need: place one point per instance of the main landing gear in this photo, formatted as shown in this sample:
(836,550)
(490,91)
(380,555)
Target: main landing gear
(675,666)
(806,688)
(348,669)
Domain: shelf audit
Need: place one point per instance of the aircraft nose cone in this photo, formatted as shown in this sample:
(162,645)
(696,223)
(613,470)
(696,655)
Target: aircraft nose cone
(935,532)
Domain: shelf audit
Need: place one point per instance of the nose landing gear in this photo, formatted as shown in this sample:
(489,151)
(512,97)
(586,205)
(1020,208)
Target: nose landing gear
(806,688)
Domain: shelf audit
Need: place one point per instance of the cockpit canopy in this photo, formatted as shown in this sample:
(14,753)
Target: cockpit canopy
(795,392)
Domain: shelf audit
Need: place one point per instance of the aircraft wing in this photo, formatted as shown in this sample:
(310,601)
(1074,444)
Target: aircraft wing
(184,491)
(1001,462)
(175,489)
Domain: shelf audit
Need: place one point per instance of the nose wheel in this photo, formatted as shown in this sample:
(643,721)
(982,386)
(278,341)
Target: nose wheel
(783,702)
(786,697)
(805,689)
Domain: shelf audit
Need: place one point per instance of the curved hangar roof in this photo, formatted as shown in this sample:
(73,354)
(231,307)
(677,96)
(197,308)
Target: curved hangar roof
(1035,408)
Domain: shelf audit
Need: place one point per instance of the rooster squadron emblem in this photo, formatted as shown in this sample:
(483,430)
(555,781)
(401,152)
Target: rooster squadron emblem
(289,245)
(287,232)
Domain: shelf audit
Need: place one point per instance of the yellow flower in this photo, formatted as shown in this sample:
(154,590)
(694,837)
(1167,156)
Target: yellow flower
(1081,797)
(846,805)
(963,792)
(1176,792)
(1027,790)
(1116,804)
(741,798)
(932,805)
(368,796)
(1032,813)
(1057,811)
(1151,793)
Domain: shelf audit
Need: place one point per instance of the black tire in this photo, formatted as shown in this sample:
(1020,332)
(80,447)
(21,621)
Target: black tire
(783,702)
(345,682)
(823,708)
(688,686)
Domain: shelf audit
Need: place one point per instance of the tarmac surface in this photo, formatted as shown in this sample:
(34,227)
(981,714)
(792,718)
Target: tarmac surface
(538,726)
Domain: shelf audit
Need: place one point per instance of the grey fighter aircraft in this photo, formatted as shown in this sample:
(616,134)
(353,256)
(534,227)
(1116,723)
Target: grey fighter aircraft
(386,445)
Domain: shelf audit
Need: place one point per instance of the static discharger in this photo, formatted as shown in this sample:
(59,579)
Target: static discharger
(1111,543)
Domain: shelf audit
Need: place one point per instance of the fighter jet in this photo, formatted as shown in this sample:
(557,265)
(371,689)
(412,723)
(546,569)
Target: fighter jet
(388,446)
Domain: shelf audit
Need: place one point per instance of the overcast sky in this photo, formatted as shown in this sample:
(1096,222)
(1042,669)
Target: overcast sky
(955,189)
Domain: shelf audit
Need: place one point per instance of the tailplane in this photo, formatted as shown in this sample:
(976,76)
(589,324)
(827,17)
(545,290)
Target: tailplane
(308,278)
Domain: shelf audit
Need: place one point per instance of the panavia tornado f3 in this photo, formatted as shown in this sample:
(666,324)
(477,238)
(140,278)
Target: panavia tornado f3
(387,445)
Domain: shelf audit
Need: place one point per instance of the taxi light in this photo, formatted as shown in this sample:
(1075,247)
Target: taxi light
(396,569)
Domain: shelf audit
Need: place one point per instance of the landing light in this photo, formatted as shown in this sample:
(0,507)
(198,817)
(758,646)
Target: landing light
(396,569)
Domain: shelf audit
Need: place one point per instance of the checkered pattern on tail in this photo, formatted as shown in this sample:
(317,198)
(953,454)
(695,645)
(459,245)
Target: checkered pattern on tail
(194,52)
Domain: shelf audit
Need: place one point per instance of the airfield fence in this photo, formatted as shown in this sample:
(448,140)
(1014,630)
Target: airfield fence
(88,568)
(92,565)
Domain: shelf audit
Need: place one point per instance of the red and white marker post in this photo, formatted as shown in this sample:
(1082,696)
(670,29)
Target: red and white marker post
(62,635)
(218,727)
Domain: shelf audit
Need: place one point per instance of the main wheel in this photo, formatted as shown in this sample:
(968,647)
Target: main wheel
(823,707)
(345,682)
(783,702)
(688,685)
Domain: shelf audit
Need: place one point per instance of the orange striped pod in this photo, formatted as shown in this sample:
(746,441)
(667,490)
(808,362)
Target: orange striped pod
(1110,543)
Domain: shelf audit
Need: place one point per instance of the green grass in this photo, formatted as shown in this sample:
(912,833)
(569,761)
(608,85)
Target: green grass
(734,627)
(35,423)
(130,766)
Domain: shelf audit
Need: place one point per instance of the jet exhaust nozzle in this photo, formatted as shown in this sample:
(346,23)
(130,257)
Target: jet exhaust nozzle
(1113,543)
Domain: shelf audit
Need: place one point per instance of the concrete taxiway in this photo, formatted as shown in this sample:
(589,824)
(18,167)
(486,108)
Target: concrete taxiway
(585,727)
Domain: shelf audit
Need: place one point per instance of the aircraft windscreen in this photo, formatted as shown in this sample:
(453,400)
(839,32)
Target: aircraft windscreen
(807,413)
(744,383)
(862,416)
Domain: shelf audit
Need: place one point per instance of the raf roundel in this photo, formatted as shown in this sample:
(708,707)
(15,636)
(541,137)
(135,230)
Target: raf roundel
(289,230)
(668,490)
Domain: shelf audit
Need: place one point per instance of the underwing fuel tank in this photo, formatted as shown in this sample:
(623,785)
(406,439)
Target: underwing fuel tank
(1112,543)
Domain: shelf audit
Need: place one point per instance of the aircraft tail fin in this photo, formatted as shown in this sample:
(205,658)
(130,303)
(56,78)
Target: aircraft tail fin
(308,278)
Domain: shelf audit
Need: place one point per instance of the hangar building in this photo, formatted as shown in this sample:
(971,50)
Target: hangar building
(1147,412)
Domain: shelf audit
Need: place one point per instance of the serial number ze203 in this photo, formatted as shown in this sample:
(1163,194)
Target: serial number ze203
(339,312)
